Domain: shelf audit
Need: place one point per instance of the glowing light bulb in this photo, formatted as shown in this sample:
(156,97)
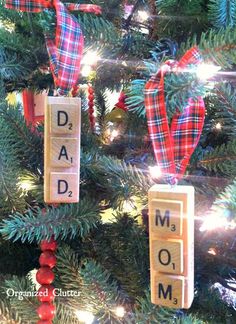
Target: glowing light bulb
(214,221)
(128,206)
(114,134)
(120,311)
(143,15)
(212,251)
(25,184)
(90,58)
(218,126)
(85,317)
(206,71)
(86,70)
(155,171)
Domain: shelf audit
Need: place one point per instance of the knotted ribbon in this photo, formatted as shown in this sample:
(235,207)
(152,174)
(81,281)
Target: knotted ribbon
(65,51)
(174,145)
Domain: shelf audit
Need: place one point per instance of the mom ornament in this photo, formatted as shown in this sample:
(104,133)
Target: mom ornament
(171,206)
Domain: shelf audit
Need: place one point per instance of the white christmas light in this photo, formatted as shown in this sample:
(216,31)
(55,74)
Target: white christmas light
(155,171)
(85,317)
(120,311)
(143,15)
(90,58)
(212,251)
(206,71)
(218,126)
(25,185)
(214,221)
(86,70)
(128,206)
(114,134)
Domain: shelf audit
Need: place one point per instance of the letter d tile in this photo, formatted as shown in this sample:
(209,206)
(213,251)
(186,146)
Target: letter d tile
(64,119)
(63,187)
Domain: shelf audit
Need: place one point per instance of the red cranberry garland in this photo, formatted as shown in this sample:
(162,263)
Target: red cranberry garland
(91,107)
(45,276)
(75,91)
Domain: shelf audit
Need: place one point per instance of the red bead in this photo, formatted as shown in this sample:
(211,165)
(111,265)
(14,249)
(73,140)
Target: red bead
(91,118)
(48,245)
(91,105)
(46,311)
(46,293)
(45,276)
(44,322)
(91,97)
(47,258)
(91,110)
(90,90)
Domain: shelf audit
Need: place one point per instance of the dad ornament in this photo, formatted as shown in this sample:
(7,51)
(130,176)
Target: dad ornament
(62,124)
(171,207)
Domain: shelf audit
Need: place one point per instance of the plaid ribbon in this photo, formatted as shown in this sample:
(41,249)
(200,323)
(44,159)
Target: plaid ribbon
(66,50)
(173,146)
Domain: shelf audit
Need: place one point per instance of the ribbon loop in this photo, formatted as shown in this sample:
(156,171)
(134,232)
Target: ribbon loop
(66,50)
(173,147)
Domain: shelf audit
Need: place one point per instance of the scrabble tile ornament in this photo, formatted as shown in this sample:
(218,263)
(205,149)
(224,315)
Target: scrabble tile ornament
(171,230)
(62,150)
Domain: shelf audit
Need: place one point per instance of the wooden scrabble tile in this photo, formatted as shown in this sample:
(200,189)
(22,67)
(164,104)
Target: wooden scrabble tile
(64,187)
(168,290)
(62,149)
(167,256)
(166,217)
(64,119)
(172,206)
(64,152)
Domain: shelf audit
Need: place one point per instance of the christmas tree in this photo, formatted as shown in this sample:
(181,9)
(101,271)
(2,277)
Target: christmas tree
(102,271)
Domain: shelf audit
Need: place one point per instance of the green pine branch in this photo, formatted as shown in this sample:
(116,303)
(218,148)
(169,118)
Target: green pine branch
(112,179)
(108,245)
(20,55)
(225,204)
(187,16)
(96,29)
(65,221)
(11,194)
(65,314)
(222,13)
(28,143)
(126,180)
(22,307)
(222,159)
(223,99)
(146,312)
(7,316)
(216,47)
(190,320)
(98,291)
(178,89)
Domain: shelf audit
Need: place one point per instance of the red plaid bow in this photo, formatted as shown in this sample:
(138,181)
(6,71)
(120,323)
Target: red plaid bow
(173,146)
(65,51)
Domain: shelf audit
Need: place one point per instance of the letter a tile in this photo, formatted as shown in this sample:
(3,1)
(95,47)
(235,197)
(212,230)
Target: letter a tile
(64,152)
(63,187)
